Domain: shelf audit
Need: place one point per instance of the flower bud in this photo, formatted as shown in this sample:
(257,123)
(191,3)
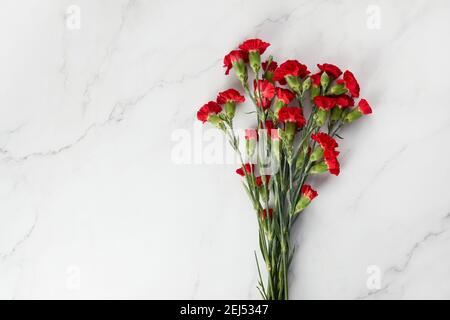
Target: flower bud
(307,195)
(324,80)
(307,84)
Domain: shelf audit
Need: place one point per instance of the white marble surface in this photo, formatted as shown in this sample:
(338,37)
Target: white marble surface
(92,204)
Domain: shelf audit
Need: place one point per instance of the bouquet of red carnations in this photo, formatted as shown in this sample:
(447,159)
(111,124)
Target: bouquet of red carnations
(298,116)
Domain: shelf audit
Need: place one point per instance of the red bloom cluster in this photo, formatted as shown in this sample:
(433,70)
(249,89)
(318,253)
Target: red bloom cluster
(364,107)
(290,68)
(285,95)
(328,102)
(308,192)
(330,153)
(267,91)
(291,114)
(350,83)
(207,110)
(232,57)
(330,69)
(324,102)
(269,67)
(248,167)
(230,95)
(254,45)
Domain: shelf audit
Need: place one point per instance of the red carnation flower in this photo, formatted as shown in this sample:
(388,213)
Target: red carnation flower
(259,180)
(207,110)
(254,45)
(325,141)
(315,78)
(285,95)
(230,95)
(324,102)
(290,68)
(269,68)
(332,162)
(266,89)
(330,69)
(350,83)
(291,114)
(266,213)
(232,57)
(344,101)
(364,107)
(308,192)
(330,154)
(249,168)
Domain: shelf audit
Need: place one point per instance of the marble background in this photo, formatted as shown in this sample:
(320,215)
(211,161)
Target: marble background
(94,205)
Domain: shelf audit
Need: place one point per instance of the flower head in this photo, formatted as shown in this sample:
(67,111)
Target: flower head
(248,167)
(364,107)
(254,45)
(330,69)
(285,95)
(344,101)
(315,78)
(266,89)
(269,67)
(325,141)
(324,102)
(233,57)
(350,83)
(308,192)
(230,95)
(329,145)
(292,115)
(290,68)
(211,108)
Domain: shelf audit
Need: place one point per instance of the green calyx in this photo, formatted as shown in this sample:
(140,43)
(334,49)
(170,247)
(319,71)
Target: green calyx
(336,113)
(324,81)
(355,114)
(320,117)
(317,154)
(319,168)
(302,203)
(294,84)
(215,120)
(230,109)
(241,71)
(338,89)
(255,60)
